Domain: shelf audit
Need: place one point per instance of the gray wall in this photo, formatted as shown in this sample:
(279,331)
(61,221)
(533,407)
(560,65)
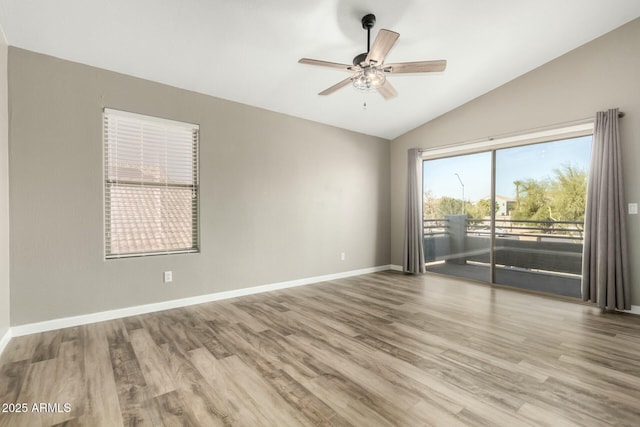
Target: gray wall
(4,191)
(281,197)
(599,75)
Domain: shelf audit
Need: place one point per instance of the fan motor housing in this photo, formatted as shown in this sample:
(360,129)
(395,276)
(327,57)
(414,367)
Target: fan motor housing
(359,59)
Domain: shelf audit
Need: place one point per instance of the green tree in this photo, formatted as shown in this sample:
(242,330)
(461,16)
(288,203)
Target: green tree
(568,194)
(472,210)
(532,200)
(449,206)
(429,205)
(483,208)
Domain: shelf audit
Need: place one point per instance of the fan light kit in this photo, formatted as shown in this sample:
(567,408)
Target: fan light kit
(371,78)
(369,70)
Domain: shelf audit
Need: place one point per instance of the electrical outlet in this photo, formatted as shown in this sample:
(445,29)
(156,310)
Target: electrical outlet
(168,276)
(633,208)
(343,256)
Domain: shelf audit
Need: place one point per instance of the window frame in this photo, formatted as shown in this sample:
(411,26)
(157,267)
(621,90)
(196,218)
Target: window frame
(107,114)
(508,141)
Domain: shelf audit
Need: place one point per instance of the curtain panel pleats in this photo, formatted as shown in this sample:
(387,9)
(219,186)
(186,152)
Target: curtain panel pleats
(413,237)
(605,265)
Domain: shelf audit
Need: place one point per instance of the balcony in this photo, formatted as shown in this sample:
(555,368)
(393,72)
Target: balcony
(543,256)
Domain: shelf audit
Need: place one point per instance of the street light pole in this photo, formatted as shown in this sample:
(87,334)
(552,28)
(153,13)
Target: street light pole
(462,184)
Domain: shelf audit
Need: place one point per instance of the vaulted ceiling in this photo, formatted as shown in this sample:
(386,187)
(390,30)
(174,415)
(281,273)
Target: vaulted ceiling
(247,50)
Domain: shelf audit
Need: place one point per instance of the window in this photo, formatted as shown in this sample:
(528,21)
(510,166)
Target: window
(151,185)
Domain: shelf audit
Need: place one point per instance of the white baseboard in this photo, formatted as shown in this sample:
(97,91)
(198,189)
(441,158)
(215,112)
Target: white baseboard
(5,340)
(49,325)
(635,309)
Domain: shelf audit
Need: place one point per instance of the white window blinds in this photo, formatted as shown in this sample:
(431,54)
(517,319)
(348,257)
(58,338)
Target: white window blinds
(151,185)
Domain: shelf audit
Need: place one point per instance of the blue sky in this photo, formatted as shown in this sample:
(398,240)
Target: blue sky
(536,161)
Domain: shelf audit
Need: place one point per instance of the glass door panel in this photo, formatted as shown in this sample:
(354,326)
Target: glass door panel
(457,216)
(540,195)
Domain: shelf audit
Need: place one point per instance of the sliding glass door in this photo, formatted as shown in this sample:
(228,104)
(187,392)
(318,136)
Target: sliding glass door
(511,216)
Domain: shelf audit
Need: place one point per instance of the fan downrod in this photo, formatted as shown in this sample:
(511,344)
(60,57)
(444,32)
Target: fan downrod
(368,21)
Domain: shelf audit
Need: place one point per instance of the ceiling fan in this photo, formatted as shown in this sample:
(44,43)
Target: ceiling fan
(369,70)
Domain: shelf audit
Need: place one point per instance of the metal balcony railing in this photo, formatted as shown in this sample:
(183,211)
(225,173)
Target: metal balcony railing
(435,227)
(528,244)
(529,229)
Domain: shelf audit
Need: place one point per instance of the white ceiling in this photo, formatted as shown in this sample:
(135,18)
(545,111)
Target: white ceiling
(247,50)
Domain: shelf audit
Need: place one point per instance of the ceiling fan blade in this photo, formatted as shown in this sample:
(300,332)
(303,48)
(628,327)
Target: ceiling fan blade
(416,67)
(381,46)
(328,64)
(387,90)
(336,86)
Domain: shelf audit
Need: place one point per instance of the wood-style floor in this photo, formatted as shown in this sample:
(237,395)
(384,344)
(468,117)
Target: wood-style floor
(383,349)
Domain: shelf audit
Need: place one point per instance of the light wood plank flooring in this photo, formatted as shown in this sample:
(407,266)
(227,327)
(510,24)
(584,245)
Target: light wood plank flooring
(382,349)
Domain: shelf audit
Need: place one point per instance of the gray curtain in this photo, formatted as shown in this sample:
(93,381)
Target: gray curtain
(413,229)
(605,265)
